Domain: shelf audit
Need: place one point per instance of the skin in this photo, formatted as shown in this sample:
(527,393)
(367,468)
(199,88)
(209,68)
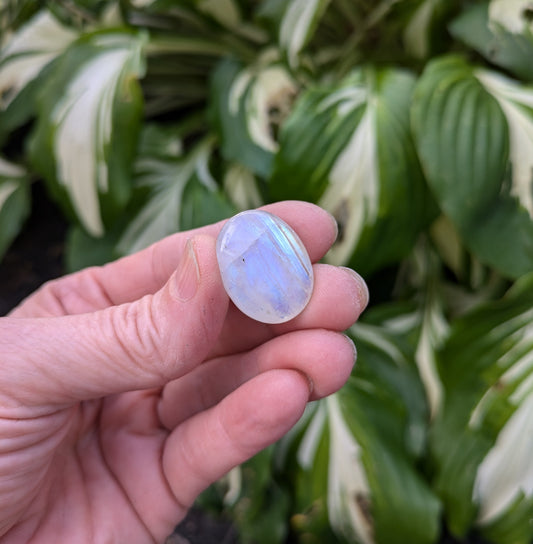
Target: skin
(127,389)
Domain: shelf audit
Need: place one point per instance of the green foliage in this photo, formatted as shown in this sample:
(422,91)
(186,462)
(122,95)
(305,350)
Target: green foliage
(348,147)
(14,202)
(411,121)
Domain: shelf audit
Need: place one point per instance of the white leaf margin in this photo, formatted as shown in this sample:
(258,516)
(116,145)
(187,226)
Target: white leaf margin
(297,25)
(11,176)
(83,121)
(11,170)
(516,102)
(434,329)
(506,472)
(28,51)
(7,188)
(352,194)
(258,89)
(417,31)
(510,14)
(347,479)
(240,185)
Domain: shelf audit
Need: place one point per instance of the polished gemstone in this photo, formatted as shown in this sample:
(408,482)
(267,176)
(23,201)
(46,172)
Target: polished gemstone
(265,267)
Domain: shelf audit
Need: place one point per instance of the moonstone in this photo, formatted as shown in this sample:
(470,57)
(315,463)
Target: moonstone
(265,268)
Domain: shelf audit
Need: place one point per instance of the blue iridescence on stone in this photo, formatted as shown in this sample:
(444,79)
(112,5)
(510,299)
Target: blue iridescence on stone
(265,268)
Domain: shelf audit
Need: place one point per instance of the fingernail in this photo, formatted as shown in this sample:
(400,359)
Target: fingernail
(310,383)
(364,295)
(187,274)
(335,225)
(352,345)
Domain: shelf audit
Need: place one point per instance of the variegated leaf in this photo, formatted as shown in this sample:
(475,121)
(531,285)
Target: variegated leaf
(298,24)
(249,105)
(87,127)
(181,194)
(37,43)
(516,102)
(481,439)
(359,449)
(240,185)
(14,202)
(474,131)
(419,32)
(348,148)
(501,31)
(349,493)
(23,58)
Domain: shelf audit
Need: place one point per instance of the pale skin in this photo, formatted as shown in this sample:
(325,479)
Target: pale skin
(127,389)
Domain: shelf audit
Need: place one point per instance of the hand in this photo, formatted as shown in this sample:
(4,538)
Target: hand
(127,389)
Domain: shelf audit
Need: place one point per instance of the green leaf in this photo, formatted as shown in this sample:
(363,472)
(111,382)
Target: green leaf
(482,440)
(387,413)
(14,202)
(83,250)
(179,192)
(86,134)
(494,29)
(310,447)
(474,132)
(349,149)
(22,61)
(247,107)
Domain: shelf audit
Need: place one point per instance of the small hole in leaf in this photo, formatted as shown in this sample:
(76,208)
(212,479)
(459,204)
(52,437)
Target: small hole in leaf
(527,14)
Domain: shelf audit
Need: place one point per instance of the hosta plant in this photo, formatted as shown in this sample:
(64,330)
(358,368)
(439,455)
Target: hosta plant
(411,121)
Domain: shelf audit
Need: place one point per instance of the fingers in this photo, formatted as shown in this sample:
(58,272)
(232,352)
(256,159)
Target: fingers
(325,357)
(207,446)
(339,297)
(315,227)
(132,346)
(146,272)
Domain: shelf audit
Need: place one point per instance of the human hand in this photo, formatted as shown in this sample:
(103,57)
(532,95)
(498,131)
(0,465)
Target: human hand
(127,389)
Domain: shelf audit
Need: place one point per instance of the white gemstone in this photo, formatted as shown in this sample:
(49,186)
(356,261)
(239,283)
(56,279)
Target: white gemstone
(265,268)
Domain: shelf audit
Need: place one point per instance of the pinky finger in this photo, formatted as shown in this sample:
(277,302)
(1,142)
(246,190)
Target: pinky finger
(207,446)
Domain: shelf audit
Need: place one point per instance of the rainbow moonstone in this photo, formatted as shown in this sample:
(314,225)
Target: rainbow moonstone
(265,268)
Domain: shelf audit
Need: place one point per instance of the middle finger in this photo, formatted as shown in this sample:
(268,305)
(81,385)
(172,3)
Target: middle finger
(339,297)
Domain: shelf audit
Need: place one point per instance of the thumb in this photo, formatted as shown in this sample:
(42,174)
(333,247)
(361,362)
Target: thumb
(139,345)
